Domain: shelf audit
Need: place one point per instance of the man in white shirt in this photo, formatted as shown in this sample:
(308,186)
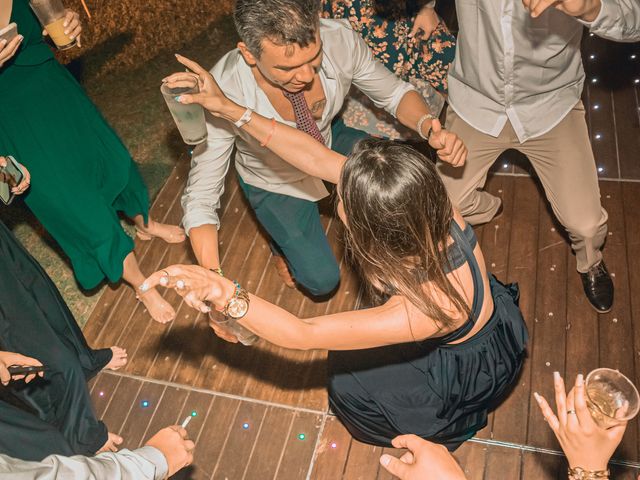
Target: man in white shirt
(164,454)
(516,83)
(297,69)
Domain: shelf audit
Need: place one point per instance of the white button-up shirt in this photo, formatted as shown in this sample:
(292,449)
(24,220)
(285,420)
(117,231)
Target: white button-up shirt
(528,71)
(346,61)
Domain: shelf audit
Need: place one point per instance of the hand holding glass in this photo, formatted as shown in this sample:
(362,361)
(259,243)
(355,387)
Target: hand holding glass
(52,14)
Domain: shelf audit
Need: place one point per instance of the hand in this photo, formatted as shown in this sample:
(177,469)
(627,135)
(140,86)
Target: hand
(424,460)
(195,284)
(72,26)
(210,97)
(26,178)
(586,10)
(448,145)
(176,447)
(426,22)
(9,49)
(8,359)
(585,444)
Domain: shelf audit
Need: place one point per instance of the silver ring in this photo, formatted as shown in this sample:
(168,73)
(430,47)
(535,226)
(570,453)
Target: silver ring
(571,412)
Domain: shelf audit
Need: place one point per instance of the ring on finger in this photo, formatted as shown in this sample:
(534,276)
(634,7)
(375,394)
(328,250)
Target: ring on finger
(571,412)
(181,284)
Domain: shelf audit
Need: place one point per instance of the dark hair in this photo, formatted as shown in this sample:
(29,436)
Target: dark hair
(398,219)
(283,22)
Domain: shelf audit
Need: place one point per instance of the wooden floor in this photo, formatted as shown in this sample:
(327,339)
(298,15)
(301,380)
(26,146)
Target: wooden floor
(279,395)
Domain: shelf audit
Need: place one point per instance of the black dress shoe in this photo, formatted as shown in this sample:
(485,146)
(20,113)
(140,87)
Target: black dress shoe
(598,287)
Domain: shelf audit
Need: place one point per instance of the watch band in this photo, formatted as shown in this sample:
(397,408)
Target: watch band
(244,119)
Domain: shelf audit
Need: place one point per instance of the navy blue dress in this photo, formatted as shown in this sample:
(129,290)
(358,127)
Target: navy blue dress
(439,391)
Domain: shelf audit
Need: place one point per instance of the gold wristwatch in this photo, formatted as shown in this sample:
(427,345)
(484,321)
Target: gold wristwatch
(238,305)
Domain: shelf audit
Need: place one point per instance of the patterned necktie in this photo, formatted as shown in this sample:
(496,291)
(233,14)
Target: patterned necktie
(304,119)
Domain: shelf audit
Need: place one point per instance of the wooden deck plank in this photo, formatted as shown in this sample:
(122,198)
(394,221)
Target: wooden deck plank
(212,437)
(536,466)
(362,463)
(270,444)
(617,344)
(549,332)
(503,463)
(332,451)
(472,457)
(238,445)
(298,454)
(102,392)
(522,269)
(121,402)
(142,411)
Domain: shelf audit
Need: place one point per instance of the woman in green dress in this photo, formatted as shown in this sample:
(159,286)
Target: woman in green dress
(81,173)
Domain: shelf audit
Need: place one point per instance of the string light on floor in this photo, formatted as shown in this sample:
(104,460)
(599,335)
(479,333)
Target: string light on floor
(596,107)
(505,165)
(334,445)
(636,81)
(194,414)
(145,403)
(633,56)
(600,169)
(592,57)
(101,394)
(301,436)
(594,80)
(245,426)
(598,136)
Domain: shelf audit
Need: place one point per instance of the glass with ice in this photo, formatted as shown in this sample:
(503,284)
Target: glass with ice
(189,118)
(51,14)
(611,397)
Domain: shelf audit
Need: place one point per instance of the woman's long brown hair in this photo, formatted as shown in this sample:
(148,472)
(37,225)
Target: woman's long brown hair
(398,220)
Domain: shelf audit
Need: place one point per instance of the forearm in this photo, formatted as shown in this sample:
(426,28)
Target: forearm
(290,144)
(592,11)
(204,242)
(411,109)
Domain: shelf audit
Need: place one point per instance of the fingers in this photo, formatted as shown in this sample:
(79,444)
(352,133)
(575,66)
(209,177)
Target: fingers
(191,65)
(156,279)
(407,458)
(536,7)
(580,403)
(5,376)
(394,466)
(8,49)
(3,162)
(193,302)
(72,25)
(175,78)
(412,442)
(561,398)
(547,413)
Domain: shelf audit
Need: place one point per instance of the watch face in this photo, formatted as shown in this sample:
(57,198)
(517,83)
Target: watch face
(238,307)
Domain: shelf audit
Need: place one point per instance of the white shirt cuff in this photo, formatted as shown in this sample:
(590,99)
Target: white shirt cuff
(156,457)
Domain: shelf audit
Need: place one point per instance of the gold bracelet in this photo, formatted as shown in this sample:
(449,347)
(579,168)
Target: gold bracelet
(218,271)
(579,473)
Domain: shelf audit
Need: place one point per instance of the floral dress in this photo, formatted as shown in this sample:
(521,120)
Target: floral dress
(424,62)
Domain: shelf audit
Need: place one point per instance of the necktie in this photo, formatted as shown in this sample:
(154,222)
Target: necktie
(304,119)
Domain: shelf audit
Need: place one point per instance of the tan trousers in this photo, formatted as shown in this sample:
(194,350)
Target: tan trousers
(564,162)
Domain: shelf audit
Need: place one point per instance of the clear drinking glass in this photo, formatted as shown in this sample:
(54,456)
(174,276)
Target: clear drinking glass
(231,325)
(189,118)
(611,397)
(51,14)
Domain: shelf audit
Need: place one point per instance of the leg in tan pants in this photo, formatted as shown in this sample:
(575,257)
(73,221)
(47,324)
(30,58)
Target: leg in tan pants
(564,162)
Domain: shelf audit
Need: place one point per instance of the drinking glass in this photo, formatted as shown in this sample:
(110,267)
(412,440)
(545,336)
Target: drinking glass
(51,14)
(231,325)
(189,118)
(611,397)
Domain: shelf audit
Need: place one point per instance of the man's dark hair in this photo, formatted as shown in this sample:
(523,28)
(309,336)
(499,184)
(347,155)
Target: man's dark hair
(283,22)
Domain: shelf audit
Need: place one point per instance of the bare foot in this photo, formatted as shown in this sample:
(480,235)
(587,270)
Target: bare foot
(159,309)
(111,445)
(283,271)
(118,359)
(168,233)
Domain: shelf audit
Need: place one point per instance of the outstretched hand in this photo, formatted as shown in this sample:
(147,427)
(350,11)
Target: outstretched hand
(210,96)
(585,444)
(425,23)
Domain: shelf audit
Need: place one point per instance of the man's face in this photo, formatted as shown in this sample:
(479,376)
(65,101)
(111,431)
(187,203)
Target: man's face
(290,67)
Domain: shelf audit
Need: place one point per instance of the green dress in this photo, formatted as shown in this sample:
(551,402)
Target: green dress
(81,173)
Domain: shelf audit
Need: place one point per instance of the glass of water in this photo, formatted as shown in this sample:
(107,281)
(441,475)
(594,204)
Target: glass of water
(189,118)
(611,397)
